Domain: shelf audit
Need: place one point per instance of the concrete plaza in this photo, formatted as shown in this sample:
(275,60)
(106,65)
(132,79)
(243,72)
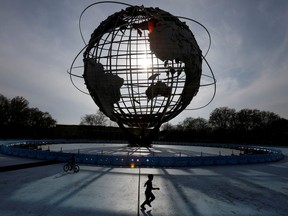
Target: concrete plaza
(260,189)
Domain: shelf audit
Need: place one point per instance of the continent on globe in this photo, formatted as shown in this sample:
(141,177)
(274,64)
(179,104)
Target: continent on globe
(169,40)
(104,87)
(158,89)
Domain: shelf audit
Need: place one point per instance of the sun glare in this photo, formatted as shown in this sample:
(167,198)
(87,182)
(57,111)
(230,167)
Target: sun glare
(144,62)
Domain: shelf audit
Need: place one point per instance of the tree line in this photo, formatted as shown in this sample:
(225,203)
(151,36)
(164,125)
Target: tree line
(16,113)
(228,125)
(225,124)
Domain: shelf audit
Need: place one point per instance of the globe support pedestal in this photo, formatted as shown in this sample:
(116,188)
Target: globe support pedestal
(143,139)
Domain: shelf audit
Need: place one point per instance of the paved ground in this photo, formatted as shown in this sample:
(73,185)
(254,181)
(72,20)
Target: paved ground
(260,189)
(123,149)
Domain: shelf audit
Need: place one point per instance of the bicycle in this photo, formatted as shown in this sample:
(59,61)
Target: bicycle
(68,167)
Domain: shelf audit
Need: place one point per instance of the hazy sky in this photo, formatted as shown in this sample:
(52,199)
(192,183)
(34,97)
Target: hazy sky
(249,52)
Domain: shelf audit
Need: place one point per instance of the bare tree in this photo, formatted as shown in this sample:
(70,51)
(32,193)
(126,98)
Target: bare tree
(38,118)
(167,126)
(196,124)
(222,118)
(18,111)
(4,113)
(98,119)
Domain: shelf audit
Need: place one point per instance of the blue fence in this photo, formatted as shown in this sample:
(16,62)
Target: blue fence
(262,155)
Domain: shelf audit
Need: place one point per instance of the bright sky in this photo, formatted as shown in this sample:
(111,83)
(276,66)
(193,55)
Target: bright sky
(249,52)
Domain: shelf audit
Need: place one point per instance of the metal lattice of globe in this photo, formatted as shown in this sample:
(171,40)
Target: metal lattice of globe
(142,67)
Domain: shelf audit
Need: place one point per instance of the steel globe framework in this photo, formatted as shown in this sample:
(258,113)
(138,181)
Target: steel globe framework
(142,67)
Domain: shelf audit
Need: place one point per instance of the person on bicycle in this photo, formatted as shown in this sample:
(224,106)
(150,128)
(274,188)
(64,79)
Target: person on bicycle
(72,161)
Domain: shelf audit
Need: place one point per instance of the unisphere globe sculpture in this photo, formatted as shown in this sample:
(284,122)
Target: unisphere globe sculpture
(142,67)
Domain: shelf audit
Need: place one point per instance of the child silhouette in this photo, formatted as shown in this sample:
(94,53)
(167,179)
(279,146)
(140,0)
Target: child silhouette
(148,192)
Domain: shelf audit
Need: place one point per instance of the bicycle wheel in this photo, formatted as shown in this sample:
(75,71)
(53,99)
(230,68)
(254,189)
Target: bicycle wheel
(76,168)
(66,167)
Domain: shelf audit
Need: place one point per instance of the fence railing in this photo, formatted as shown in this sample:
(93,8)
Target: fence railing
(258,155)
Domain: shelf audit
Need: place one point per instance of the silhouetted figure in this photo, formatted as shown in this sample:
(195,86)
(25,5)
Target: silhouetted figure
(71,161)
(148,192)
